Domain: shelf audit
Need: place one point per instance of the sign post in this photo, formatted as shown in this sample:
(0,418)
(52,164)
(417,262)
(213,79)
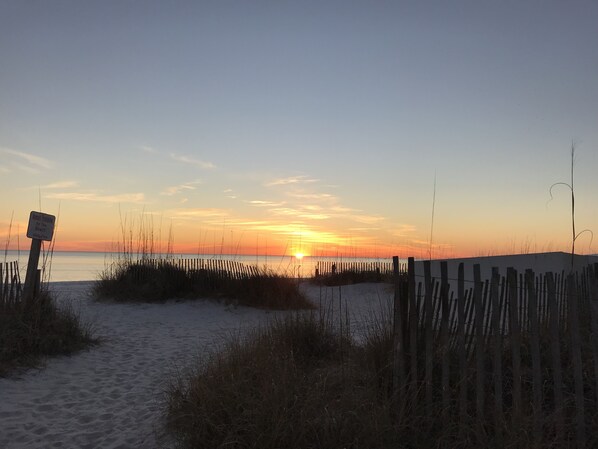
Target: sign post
(41,227)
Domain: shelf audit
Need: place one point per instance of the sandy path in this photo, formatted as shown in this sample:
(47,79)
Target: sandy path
(110,396)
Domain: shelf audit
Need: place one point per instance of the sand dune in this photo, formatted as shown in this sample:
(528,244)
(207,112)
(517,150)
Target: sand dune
(110,396)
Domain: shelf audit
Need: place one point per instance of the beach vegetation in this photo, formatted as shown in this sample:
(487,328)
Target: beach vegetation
(157,281)
(353,276)
(306,382)
(297,383)
(143,273)
(31,329)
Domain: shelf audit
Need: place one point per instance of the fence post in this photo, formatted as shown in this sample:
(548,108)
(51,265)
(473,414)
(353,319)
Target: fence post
(555,349)
(461,343)
(428,335)
(398,344)
(412,324)
(497,363)
(479,343)
(31,276)
(2,284)
(572,299)
(535,350)
(444,291)
(593,304)
(515,331)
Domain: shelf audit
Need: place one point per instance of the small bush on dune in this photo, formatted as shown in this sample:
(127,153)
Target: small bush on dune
(267,291)
(352,277)
(283,386)
(155,283)
(35,328)
(143,282)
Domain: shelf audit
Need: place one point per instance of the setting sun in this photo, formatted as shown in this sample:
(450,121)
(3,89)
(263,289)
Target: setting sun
(299,256)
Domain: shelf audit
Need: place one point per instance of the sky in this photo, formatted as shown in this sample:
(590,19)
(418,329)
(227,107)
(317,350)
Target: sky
(352,128)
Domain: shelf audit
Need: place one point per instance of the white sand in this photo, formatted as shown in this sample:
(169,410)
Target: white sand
(111,396)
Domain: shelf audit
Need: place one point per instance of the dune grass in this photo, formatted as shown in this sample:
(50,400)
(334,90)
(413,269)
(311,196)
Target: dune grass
(295,384)
(350,277)
(148,282)
(33,329)
(304,383)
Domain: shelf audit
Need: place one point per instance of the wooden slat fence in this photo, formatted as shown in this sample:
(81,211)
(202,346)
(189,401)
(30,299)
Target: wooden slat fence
(225,269)
(517,350)
(10,283)
(327,268)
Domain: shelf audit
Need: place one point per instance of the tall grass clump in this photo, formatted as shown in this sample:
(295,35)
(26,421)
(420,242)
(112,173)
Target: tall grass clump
(349,277)
(34,328)
(140,274)
(295,384)
(303,382)
(142,281)
(162,280)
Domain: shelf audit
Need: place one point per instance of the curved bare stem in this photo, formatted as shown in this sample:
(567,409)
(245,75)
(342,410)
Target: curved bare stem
(591,235)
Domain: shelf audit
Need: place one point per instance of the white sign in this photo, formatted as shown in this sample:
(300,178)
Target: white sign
(41,226)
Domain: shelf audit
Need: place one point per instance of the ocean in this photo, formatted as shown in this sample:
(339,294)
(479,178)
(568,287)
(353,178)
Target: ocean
(87,266)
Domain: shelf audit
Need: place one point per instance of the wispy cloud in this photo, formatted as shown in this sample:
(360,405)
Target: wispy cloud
(98,197)
(148,149)
(403,230)
(229,193)
(367,219)
(173,190)
(200,213)
(25,161)
(54,186)
(364,229)
(264,203)
(313,196)
(190,161)
(299,213)
(61,185)
(302,179)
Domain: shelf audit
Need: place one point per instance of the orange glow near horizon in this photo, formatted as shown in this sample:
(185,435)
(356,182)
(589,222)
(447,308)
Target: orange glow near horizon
(262,238)
(381,251)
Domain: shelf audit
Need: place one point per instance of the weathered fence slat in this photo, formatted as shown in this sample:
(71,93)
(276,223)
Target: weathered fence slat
(555,351)
(398,345)
(535,350)
(429,336)
(461,342)
(593,306)
(515,345)
(412,327)
(479,334)
(497,361)
(444,294)
(573,302)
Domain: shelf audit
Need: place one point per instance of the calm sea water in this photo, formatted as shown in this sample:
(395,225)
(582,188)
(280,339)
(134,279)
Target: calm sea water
(86,266)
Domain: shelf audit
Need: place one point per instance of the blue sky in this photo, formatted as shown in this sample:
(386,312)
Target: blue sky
(323,121)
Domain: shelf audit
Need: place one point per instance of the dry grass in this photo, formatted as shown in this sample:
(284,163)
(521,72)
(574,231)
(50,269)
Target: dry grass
(139,281)
(352,277)
(294,385)
(303,384)
(30,330)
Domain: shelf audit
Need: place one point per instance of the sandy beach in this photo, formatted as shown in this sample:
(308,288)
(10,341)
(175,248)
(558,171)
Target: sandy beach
(111,396)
